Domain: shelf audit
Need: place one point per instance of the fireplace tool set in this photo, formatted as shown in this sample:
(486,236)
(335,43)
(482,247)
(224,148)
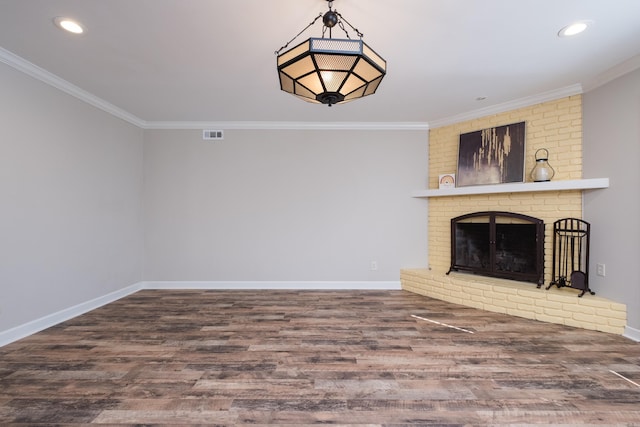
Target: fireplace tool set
(571,255)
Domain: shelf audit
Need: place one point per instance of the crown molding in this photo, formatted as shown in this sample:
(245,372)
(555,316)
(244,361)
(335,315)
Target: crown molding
(528,101)
(613,73)
(51,79)
(289,125)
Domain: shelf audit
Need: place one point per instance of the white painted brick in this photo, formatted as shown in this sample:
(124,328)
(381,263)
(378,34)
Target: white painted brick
(521,313)
(587,318)
(457,293)
(577,308)
(481,299)
(550,319)
(506,304)
(618,307)
(474,291)
(612,314)
(562,298)
(532,308)
(504,290)
(610,329)
(580,324)
(492,294)
(526,293)
(518,299)
(556,313)
(545,303)
(620,323)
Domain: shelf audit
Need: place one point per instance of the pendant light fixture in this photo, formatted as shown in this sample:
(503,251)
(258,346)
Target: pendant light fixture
(327,70)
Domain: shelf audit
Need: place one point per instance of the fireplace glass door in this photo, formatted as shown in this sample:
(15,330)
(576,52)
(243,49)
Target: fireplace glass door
(498,244)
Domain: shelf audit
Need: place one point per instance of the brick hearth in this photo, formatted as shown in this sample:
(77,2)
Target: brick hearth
(560,306)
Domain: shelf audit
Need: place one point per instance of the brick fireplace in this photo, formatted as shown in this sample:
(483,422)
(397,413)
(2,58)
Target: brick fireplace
(554,125)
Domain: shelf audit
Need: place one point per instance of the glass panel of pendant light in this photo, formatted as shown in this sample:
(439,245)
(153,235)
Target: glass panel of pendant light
(366,70)
(304,93)
(286,83)
(374,57)
(299,68)
(333,79)
(294,52)
(312,82)
(356,94)
(353,82)
(371,87)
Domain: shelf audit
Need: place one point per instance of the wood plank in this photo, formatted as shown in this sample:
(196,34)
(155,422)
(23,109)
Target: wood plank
(305,357)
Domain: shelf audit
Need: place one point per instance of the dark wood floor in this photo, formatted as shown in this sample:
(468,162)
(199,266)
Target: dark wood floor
(312,357)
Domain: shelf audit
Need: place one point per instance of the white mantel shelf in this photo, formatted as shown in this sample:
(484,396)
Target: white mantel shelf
(517,187)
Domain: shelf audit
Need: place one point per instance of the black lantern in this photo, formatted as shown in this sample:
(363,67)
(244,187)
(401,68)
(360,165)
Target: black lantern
(330,71)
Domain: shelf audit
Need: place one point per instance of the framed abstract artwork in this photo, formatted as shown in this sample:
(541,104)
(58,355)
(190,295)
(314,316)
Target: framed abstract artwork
(491,156)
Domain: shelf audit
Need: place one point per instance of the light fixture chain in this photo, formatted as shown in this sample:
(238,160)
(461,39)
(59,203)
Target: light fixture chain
(349,24)
(277,52)
(341,25)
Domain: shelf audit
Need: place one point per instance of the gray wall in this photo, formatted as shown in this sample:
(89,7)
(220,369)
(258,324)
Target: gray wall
(287,205)
(70,201)
(612,149)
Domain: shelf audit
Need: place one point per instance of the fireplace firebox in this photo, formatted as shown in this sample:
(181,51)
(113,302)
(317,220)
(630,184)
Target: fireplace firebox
(498,244)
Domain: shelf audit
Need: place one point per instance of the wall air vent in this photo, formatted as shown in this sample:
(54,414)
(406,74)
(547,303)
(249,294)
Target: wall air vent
(212,134)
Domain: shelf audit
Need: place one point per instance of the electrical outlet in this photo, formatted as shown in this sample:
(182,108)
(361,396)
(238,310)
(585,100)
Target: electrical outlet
(600,270)
(374,265)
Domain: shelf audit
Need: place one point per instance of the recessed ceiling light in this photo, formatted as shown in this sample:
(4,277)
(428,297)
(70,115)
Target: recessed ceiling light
(69,25)
(574,28)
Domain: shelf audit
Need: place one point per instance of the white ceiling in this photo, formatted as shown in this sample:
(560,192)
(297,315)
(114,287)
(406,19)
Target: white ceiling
(214,61)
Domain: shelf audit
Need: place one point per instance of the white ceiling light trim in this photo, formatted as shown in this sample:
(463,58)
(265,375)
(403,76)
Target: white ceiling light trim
(574,28)
(69,25)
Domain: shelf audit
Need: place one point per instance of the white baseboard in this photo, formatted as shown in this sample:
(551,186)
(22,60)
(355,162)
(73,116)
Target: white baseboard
(290,285)
(29,328)
(632,333)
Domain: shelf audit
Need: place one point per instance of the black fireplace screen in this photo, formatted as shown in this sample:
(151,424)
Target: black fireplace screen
(498,244)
